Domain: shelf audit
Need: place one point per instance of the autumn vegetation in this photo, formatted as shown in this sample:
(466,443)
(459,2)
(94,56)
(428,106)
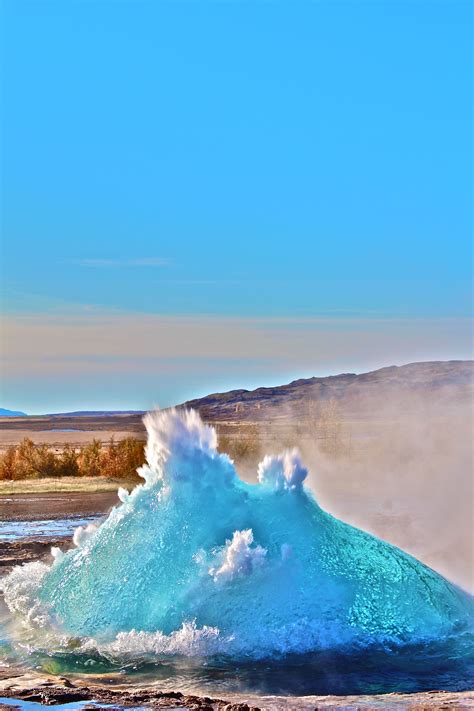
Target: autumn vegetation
(120,459)
(114,460)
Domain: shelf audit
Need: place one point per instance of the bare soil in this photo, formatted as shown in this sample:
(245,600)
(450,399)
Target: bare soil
(39,506)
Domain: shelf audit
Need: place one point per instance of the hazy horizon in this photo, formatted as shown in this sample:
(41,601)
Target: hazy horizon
(249,387)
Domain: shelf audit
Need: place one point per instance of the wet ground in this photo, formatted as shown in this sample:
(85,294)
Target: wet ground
(40,507)
(41,530)
(63,694)
(31,523)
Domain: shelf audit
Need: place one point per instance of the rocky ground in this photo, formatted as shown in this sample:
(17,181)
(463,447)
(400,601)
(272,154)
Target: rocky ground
(60,690)
(27,551)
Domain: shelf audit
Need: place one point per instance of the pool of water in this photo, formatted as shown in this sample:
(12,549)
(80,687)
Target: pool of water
(35,706)
(47,528)
(411,669)
(368,672)
(63,429)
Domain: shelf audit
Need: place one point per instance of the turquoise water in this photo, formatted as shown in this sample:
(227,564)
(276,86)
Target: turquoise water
(198,574)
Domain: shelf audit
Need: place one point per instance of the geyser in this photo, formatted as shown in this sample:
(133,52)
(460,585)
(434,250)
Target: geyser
(196,561)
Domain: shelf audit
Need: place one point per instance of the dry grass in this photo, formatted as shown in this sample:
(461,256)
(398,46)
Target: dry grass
(46,486)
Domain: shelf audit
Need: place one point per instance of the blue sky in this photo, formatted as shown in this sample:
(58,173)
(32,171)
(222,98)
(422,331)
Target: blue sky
(295,173)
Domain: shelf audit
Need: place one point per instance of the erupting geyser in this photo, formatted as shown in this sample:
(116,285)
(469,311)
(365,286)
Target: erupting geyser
(196,561)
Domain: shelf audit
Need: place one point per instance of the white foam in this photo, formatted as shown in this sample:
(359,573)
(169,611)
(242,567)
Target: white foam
(20,591)
(238,558)
(282,472)
(177,432)
(83,533)
(189,640)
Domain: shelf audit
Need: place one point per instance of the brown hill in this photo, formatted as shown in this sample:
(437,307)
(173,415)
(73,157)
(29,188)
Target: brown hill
(368,393)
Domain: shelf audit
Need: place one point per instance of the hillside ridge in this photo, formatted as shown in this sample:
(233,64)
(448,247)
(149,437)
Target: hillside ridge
(420,377)
(453,380)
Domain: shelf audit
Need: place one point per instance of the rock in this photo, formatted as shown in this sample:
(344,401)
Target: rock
(67,682)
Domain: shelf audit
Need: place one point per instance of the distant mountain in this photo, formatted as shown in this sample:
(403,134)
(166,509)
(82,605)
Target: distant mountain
(383,394)
(94,413)
(366,393)
(11,413)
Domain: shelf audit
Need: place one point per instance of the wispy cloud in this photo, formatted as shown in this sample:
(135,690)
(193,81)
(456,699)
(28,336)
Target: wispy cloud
(123,263)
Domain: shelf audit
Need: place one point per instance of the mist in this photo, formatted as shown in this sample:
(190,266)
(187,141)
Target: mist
(399,465)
